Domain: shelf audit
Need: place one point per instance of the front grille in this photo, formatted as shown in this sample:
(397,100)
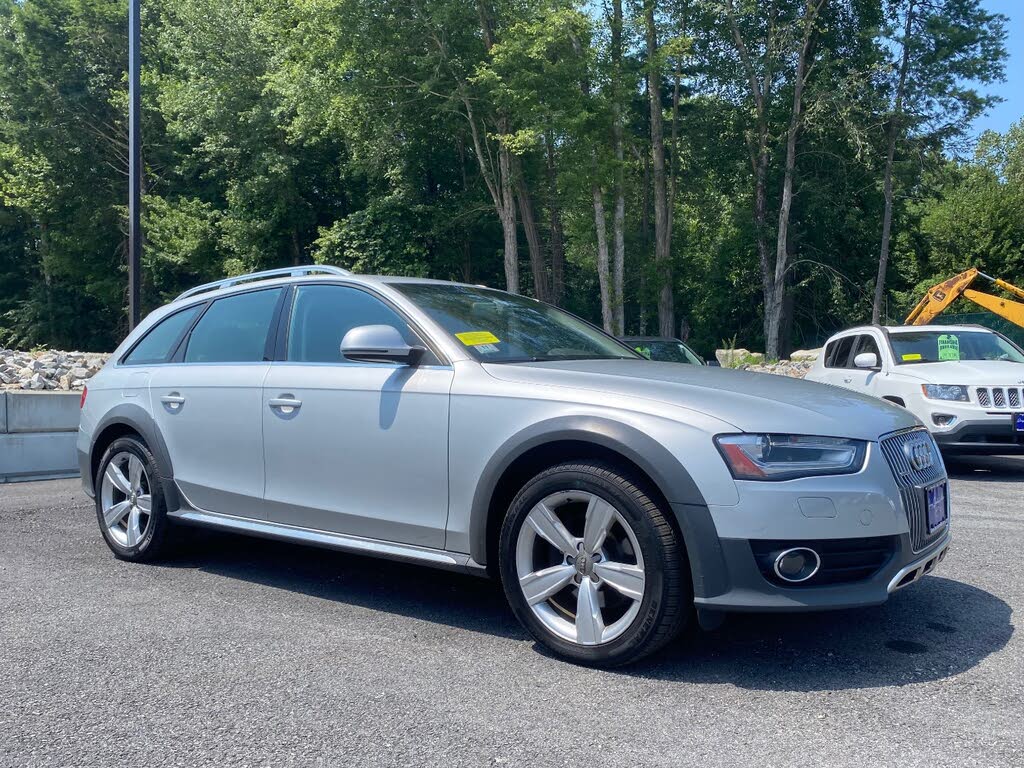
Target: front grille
(999,397)
(843,561)
(912,482)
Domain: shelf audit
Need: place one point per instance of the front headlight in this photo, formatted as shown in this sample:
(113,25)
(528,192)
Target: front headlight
(785,457)
(945,392)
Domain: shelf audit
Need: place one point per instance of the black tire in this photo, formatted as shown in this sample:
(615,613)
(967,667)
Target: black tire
(667,602)
(154,538)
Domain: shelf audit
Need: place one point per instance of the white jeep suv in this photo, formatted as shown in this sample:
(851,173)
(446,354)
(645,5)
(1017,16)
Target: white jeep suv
(966,383)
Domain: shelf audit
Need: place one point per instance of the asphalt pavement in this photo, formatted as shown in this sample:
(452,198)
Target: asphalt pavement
(246,652)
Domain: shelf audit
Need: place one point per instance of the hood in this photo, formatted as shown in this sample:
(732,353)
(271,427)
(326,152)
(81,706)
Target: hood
(752,402)
(972,372)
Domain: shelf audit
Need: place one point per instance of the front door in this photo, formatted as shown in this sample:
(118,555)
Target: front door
(355,448)
(207,404)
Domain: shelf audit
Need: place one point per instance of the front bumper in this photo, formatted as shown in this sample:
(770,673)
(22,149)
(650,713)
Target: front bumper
(993,436)
(864,527)
(750,591)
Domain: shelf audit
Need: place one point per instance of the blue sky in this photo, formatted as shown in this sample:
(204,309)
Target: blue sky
(1012,109)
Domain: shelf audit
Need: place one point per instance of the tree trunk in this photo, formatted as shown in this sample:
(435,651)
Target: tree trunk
(662,225)
(890,155)
(774,309)
(507,214)
(619,217)
(538,267)
(557,239)
(603,276)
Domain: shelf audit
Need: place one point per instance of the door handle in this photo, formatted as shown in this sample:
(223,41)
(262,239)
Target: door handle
(847,381)
(174,400)
(286,404)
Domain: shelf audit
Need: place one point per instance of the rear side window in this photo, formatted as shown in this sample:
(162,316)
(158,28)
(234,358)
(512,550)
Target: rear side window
(323,314)
(234,329)
(158,345)
(838,353)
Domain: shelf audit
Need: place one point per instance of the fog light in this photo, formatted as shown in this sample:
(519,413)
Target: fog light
(943,419)
(797,564)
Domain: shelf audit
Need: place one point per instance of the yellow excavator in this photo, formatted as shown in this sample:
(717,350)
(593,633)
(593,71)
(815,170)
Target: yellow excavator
(945,293)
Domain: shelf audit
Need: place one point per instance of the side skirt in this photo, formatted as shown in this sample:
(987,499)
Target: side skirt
(452,561)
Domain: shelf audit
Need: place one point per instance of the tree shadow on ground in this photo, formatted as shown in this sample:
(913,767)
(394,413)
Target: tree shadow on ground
(934,629)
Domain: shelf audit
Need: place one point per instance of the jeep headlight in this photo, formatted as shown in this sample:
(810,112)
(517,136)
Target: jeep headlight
(786,457)
(945,392)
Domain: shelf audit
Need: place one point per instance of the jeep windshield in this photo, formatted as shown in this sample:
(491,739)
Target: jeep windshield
(914,347)
(499,327)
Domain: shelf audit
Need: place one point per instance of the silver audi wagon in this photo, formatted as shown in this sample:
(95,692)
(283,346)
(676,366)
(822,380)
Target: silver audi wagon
(617,499)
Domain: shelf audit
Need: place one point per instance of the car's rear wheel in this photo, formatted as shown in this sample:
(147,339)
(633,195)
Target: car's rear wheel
(592,566)
(130,502)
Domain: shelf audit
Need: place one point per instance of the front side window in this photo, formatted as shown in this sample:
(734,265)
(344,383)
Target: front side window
(914,347)
(322,315)
(866,344)
(838,353)
(499,327)
(158,345)
(234,329)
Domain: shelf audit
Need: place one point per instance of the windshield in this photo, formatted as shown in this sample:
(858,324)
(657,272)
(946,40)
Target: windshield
(943,346)
(665,350)
(499,327)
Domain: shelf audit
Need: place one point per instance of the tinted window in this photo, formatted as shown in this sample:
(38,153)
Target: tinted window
(665,350)
(867,344)
(157,345)
(323,314)
(234,329)
(838,352)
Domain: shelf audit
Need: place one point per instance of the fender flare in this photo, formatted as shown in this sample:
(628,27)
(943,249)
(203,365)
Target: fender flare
(664,469)
(138,419)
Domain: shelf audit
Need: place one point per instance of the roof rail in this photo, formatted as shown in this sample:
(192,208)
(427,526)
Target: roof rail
(325,269)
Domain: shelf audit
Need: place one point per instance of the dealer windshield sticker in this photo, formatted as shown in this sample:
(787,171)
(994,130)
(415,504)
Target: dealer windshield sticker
(949,347)
(476,338)
(912,356)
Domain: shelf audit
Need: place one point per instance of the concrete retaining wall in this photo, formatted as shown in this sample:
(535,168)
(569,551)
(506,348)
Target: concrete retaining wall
(38,431)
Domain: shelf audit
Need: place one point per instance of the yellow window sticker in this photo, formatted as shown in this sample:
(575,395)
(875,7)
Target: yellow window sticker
(914,356)
(476,338)
(949,347)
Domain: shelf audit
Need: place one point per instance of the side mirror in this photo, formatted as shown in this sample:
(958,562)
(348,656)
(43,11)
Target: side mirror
(866,360)
(378,344)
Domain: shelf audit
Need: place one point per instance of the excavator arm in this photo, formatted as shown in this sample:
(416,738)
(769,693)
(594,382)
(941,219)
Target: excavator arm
(939,297)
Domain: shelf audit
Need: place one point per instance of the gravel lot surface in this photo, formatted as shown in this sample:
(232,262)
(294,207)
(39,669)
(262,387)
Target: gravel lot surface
(247,652)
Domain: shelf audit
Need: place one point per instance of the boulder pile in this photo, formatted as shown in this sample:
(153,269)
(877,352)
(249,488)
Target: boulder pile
(48,369)
(796,367)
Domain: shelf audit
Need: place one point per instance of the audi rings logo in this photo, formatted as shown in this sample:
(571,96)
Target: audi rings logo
(919,454)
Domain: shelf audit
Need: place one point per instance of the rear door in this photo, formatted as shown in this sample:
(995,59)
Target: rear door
(207,403)
(355,448)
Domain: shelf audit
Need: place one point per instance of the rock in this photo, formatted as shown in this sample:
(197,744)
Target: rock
(805,355)
(48,369)
(731,358)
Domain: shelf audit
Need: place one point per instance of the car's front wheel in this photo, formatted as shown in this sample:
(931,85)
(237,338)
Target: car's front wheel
(592,567)
(130,501)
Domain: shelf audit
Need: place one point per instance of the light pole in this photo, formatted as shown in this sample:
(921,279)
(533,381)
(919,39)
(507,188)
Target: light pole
(134,168)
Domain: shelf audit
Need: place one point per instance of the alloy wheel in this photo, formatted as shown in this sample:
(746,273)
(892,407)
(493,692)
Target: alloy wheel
(580,567)
(126,499)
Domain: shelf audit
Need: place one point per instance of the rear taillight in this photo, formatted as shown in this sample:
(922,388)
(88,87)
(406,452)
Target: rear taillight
(85,391)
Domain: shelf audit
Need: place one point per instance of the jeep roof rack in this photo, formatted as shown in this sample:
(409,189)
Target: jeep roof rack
(313,269)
